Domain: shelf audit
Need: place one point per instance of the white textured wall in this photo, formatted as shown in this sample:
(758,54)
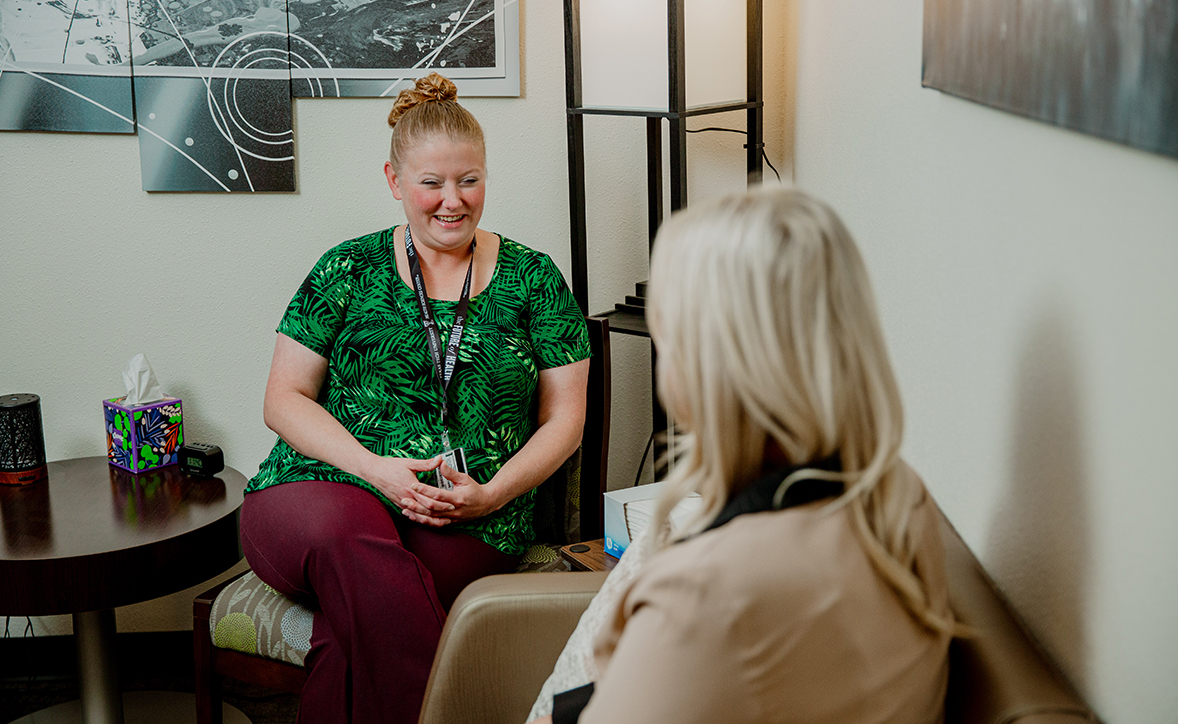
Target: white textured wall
(1025,275)
(93,270)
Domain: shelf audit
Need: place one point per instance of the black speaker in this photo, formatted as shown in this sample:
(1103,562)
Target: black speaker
(22,440)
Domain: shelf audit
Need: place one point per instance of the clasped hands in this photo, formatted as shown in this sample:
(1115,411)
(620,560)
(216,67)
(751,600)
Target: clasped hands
(426,504)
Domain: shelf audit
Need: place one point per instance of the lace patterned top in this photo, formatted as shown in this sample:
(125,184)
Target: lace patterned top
(357,312)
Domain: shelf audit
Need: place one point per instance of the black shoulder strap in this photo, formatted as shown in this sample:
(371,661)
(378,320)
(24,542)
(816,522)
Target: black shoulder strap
(758,496)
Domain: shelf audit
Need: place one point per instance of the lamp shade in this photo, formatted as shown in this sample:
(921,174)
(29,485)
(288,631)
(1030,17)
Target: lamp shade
(625,58)
(22,440)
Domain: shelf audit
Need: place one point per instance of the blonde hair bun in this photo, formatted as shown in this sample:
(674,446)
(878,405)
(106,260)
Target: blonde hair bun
(427,110)
(431,88)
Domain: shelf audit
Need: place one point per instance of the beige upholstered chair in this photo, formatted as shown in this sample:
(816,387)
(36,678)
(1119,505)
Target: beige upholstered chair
(245,630)
(504,634)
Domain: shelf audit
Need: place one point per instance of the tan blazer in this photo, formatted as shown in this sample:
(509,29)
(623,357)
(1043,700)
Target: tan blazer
(773,617)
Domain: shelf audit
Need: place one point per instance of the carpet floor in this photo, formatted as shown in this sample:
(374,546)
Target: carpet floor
(22,696)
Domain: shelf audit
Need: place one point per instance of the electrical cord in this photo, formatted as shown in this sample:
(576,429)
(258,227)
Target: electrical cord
(743,133)
(766,157)
(641,465)
(717,128)
(28,632)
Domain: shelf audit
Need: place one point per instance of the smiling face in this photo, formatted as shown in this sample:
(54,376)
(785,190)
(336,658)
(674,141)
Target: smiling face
(441,185)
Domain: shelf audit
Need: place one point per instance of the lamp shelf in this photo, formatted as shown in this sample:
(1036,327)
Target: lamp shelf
(624,322)
(656,113)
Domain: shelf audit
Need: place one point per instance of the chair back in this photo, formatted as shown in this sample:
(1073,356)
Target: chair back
(569,504)
(999,675)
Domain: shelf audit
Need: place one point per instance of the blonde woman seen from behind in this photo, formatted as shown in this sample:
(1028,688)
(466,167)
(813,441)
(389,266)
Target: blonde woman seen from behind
(811,587)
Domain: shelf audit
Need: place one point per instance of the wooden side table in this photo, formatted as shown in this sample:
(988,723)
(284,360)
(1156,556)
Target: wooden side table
(92,537)
(588,555)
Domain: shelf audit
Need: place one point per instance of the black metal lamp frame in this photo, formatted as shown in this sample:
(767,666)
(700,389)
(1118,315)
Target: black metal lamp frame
(620,321)
(676,116)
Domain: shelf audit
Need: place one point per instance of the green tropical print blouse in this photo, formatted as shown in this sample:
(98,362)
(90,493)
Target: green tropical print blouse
(356,311)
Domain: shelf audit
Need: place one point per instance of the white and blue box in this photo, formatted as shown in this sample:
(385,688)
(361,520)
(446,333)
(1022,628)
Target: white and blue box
(629,511)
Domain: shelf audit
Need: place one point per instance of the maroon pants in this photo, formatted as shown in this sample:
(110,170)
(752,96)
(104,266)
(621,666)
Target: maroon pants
(379,585)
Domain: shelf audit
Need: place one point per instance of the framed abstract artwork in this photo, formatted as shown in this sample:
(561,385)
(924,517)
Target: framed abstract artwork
(65,67)
(1108,68)
(207,84)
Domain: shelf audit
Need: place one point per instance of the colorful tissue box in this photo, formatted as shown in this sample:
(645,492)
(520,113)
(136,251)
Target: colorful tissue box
(143,437)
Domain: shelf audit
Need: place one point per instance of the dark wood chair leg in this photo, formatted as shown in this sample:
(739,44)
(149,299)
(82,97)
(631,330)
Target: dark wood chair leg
(208,683)
(209,709)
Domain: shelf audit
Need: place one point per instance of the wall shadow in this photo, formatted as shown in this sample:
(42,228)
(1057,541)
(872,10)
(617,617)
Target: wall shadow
(1038,548)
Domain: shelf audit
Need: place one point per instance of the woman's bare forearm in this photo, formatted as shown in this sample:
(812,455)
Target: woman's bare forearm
(552,443)
(290,409)
(314,432)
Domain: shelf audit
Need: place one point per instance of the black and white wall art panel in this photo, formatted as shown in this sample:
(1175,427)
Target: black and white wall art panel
(1104,67)
(374,48)
(208,83)
(212,95)
(65,65)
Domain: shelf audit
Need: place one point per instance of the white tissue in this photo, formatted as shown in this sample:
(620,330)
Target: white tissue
(142,386)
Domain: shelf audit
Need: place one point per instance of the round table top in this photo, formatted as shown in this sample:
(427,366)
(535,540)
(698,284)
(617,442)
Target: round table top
(93,536)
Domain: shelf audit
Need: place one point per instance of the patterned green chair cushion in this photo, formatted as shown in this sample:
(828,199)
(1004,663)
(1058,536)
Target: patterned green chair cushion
(542,558)
(250,617)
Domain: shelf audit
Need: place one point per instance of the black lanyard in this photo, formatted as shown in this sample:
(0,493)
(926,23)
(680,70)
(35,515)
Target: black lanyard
(443,365)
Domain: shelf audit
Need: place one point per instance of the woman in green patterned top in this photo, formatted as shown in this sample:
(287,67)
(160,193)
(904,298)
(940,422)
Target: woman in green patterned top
(344,514)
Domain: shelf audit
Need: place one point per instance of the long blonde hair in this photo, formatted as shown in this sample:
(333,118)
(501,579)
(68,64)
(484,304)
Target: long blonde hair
(764,320)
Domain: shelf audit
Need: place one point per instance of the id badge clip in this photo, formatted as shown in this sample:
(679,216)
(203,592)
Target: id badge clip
(456,459)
